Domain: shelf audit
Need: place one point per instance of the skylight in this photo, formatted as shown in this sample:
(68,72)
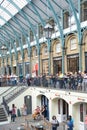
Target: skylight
(8,8)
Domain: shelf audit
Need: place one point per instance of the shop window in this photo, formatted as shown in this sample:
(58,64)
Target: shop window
(81,112)
(27,71)
(59,106)
(45,67)
(73,63)
(58,48)
(73,44)
(64,107)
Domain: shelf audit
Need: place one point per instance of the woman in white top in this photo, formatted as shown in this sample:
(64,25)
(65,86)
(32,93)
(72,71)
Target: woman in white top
(54,122)
(24,110)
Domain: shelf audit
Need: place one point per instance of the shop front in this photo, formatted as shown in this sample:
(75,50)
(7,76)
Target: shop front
(45,66)
(73,63)
(57,65)
(27,68)
(34,69)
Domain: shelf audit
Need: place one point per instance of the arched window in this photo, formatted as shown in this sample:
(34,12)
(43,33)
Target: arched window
(35,52)
(73,44)
(45,52)
(58,47)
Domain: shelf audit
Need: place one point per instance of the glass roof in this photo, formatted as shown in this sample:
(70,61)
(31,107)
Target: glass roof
(8,8)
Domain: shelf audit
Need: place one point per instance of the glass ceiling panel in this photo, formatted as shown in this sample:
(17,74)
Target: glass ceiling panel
(2,22)
(11,8)
(5,16)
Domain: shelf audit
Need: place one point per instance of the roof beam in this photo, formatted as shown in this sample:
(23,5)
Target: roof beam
(38,14)
(56,3)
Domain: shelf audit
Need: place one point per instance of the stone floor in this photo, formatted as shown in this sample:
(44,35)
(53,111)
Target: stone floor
(20,121)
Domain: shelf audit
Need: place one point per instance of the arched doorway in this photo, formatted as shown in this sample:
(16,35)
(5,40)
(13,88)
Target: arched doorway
(28,102)
(79,114)
(61,109)
(45,101)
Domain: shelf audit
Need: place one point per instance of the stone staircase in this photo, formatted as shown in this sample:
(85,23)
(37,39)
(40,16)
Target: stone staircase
(3,115)
(14,93)
(6,98)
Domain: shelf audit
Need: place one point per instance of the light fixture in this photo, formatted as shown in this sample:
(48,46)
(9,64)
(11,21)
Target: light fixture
(48,31)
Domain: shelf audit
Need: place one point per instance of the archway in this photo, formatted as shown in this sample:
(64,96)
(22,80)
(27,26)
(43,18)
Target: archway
(61,109)
(44,101)
(79,114)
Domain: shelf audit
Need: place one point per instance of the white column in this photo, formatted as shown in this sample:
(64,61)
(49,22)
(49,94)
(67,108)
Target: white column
(50,109)
(70,108)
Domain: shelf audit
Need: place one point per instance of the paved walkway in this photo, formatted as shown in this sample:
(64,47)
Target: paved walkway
(21,120)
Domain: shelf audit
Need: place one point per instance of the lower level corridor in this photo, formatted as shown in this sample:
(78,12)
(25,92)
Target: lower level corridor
(25,125)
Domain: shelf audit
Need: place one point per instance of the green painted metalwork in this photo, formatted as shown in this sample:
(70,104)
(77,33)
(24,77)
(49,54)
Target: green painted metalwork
(11,43)
(28,42)
(38,14)
(31,26)
(43,24)
(29,51)
(11,39)
(15,33)
(39,8)
(9,13)
(61,33)
(16,21)
(78,31)
(80,39)
(38,49)
(57,4)
(45,5)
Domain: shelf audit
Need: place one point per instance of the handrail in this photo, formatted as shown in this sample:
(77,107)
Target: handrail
(12,94)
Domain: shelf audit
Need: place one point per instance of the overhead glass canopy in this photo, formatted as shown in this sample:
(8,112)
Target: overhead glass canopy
(9,6)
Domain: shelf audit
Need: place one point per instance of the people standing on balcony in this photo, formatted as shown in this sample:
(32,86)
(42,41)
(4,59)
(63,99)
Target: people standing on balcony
(84,83)
(28,79)
(80,80)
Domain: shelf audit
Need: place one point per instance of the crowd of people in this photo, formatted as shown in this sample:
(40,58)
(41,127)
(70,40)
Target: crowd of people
(76,81)
(39,112)
(69,123)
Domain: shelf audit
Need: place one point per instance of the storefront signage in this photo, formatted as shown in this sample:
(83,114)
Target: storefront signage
(58,58)
(57,94)
(73,56)
(80,99)
(42,92)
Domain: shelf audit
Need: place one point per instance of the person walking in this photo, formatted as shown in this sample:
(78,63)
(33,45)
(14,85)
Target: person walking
(54,122)
(86,122)
(24,111)
(70,124)
(13,113)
